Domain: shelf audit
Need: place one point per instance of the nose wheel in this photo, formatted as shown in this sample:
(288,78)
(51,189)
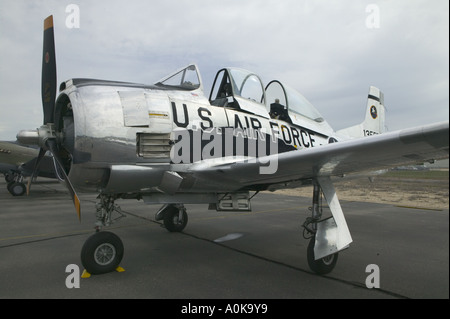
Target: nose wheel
(102,253)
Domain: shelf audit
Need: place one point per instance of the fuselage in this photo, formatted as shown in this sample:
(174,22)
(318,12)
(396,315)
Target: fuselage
(122,137)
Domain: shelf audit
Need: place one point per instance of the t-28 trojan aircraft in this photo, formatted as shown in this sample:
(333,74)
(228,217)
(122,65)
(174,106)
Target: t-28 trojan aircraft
(170,144)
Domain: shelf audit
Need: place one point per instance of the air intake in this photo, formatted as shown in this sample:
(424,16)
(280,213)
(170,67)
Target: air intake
(150,145)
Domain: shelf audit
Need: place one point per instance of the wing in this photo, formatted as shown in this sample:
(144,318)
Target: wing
(420,144)
(14,154)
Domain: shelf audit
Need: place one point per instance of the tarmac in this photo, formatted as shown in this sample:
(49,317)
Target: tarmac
(258,255)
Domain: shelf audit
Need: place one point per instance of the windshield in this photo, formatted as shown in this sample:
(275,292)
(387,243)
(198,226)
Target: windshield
(186,79)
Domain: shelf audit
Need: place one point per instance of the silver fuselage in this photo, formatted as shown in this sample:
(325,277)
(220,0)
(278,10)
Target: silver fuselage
(120,134)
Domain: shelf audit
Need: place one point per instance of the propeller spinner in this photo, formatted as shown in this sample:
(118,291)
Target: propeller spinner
(45,136)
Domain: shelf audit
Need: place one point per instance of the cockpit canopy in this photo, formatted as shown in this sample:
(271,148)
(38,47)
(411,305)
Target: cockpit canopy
(244,90)
(237,82)
(236,87)
(279,93)
(241,89)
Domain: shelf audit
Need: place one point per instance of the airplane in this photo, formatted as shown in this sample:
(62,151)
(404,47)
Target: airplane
(18,161)
(170,144)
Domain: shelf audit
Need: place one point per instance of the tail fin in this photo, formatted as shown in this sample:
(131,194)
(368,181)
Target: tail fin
(374,122)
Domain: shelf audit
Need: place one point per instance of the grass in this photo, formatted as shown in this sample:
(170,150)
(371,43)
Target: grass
(426,174)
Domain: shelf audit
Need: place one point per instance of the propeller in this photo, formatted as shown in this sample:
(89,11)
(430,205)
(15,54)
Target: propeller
(45,136)
(48,86)
(48,72)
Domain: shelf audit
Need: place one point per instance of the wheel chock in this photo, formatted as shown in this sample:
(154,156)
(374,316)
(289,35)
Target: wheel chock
(86,274)
(120,269)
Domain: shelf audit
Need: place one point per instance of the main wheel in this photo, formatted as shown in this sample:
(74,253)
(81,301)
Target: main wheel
(321,266)
(102,253)
(16,189)
(173,221)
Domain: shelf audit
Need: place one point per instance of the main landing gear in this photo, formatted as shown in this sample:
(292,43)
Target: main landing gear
(324,265)
(327,236)
(15,184)
(174,217)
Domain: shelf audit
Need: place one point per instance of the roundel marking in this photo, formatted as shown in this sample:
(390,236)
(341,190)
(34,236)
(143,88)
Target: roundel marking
(373,112)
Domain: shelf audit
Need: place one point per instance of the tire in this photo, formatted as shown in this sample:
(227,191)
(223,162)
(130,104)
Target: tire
(9,178)
(172,221)
(16,189)
(102,253)
(321,266)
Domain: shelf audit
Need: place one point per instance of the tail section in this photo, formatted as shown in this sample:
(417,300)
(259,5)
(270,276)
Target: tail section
(374,122)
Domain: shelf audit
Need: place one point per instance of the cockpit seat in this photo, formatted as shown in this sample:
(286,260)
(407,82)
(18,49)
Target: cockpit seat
(279,111)
(223,102)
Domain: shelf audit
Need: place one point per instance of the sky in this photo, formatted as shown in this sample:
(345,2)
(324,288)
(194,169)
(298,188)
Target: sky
(330,51)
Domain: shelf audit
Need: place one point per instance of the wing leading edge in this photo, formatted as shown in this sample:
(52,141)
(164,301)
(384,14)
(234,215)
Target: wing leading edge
(415,145)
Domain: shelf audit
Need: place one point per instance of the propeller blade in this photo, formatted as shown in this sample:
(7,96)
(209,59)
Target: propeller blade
(49,72)
(53,148)
(35,169)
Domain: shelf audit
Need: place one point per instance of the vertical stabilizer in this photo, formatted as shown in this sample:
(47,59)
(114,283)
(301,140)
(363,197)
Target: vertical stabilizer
(374,121)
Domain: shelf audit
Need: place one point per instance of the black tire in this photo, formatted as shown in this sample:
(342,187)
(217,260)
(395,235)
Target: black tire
(172,221)
(9,178)
(16,189)
(321,266)
(102,253)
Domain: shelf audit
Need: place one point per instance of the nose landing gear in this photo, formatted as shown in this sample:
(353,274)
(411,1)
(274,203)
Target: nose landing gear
(103,251)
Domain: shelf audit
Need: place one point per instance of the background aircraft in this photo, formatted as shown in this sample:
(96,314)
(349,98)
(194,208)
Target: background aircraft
(17,161)
(170,144)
